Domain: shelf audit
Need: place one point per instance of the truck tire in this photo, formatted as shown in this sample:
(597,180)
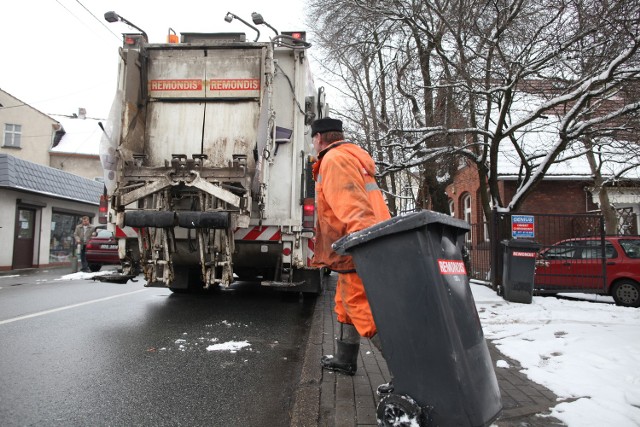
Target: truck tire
(186,280)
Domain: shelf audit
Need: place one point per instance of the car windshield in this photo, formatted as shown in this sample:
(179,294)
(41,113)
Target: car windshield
(631,247)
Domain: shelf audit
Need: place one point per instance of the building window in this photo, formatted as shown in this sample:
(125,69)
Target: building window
(466,212)
(452,210)
(62,241)
(12,135)
(485,228)
(466,208)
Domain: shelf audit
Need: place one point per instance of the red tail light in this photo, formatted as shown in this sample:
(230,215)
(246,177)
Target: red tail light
(308,214)
(103,209)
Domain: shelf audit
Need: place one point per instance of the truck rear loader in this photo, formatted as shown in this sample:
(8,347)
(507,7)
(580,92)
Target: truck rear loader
(207,158)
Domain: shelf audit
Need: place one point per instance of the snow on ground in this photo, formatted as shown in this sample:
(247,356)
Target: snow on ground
(586,352)
(81,275)
(231,346)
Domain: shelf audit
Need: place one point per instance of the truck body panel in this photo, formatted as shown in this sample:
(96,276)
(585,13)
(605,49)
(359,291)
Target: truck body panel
(207,157)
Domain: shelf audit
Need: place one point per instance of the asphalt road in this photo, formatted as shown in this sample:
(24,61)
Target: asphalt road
(78,353)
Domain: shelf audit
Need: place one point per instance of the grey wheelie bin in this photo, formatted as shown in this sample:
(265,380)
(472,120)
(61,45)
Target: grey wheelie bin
(519,264)
(415,279)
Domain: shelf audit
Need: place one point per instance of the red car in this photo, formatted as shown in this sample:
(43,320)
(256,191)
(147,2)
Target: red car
(577,265)
(102,249)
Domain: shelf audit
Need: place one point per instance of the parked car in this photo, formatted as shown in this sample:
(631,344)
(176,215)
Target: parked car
(102,249)
(577,265)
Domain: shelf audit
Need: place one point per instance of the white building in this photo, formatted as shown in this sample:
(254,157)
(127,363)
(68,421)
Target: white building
(39,209)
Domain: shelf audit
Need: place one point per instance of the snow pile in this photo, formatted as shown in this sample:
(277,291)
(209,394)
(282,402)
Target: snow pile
(81,275)
(232,346)
(587,353)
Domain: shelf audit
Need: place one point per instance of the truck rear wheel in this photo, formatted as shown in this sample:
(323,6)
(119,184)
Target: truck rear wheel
(186,280)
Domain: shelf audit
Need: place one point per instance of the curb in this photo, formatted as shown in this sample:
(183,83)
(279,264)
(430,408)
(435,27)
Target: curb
(306,405)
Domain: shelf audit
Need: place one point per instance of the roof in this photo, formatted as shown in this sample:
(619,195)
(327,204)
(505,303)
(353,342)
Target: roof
(82,136)
(538,138)
(22,175)
(20,103)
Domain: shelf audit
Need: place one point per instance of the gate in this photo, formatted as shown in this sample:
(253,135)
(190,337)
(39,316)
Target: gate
(572,256)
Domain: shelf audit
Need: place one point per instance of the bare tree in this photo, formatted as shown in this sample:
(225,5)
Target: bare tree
(536,82)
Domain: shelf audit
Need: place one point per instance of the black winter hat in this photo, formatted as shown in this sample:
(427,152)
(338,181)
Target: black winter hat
(326,124)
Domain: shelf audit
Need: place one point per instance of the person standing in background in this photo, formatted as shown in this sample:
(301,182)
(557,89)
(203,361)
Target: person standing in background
(83,233)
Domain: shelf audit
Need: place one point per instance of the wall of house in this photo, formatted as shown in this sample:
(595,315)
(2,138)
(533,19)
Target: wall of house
(553,197)
(38,130)
(84,165)
(7,225)
(550,196)
(466,185)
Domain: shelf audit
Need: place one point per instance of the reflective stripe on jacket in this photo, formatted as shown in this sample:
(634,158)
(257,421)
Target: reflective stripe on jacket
(348,199)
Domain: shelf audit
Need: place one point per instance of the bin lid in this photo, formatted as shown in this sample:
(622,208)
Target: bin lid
(395,225)
(521,244)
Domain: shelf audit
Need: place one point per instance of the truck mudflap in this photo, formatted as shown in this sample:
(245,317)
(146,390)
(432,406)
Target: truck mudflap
(303,280)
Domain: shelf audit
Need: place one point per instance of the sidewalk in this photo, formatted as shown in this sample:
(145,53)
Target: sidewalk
(328,399)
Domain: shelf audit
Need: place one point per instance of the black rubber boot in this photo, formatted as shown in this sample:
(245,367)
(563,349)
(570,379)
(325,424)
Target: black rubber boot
(345,360)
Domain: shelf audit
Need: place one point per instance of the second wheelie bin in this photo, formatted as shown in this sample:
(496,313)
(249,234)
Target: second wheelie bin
(415,279)
(519,265)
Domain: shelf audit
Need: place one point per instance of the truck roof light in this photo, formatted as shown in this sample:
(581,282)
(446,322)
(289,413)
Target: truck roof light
(298,35)
(172,37)
(231,16)
(259,20)
(293,39)
(112,17)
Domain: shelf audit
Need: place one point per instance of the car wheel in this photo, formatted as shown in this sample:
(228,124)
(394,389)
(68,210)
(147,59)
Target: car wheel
(95,267)
(626,293)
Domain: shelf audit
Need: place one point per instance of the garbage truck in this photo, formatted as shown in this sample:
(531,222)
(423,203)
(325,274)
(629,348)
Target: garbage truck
(207,157)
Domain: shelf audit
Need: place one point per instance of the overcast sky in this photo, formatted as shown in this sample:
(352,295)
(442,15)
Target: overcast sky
(60,55)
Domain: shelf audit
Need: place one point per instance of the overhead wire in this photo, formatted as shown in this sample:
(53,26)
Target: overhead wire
(92,15)
(98,19)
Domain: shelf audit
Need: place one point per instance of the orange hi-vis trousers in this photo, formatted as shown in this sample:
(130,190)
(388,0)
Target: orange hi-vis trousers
(352,305)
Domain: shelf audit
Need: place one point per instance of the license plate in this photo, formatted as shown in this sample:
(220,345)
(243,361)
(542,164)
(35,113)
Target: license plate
(108,246)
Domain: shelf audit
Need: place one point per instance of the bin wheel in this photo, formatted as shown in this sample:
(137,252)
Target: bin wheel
(399,410)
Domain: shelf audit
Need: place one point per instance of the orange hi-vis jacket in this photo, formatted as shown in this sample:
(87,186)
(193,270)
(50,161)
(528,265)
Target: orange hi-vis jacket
(348,199)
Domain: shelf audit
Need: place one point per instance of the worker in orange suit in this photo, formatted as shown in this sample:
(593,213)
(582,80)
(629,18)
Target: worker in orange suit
(348,199)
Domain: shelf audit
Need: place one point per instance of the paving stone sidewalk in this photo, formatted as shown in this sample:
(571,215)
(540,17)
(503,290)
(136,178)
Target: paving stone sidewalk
(333,400)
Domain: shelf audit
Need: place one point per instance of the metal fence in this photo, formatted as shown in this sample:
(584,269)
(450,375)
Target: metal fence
(573,247)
